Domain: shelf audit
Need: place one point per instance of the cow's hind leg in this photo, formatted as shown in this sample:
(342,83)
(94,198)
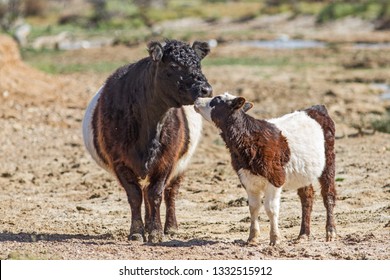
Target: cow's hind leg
(170,194)
(306,195)
(134,196)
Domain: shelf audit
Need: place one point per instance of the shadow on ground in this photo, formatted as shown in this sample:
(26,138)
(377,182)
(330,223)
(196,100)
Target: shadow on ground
(34,237)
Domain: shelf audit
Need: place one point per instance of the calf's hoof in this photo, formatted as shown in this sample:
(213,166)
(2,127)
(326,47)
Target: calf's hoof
(252,241)
(331,235)
(253,238)
(274,240)
(156,236)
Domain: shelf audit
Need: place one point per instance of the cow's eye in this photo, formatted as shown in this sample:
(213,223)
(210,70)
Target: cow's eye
(175,66)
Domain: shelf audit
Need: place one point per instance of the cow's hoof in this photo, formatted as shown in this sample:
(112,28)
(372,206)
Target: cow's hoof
(156,236)
(171,231)
(137,231)
(303,237)
(136,237)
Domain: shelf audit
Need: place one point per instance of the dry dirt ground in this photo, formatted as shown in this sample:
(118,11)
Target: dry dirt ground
(55,203)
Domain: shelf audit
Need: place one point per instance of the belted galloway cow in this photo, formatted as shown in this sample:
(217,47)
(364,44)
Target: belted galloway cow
(139,128)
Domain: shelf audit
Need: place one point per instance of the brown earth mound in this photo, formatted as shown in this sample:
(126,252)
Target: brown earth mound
(8,50)
(23,84)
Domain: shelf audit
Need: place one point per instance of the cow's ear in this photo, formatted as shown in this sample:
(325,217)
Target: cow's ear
(238,102)
(201,49)
(155,50)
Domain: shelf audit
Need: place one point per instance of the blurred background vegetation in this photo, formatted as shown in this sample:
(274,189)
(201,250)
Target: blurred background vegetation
(44,29)
(103,16)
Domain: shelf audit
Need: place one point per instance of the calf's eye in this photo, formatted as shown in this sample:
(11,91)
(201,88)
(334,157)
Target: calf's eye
(216,100)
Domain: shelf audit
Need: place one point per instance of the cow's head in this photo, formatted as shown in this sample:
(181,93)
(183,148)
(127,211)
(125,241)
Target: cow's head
(178,72)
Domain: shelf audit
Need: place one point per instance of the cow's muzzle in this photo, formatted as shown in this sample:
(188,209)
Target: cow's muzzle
(206,91)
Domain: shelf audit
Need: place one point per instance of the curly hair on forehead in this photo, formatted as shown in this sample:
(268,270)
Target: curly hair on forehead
(182,53)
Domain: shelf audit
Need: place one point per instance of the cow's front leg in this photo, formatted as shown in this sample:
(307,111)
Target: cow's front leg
(153,199)
(134,196)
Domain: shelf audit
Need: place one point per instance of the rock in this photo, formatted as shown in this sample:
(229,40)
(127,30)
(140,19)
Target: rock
(21,34)
(50,42)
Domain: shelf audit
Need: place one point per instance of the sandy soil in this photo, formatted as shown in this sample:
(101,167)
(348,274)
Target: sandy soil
(55,203)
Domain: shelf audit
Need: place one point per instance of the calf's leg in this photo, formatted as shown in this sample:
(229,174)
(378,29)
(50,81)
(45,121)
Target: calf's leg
(272,206)
(254,200)
(328,192)
(306,195)
(327,182)
(134,196)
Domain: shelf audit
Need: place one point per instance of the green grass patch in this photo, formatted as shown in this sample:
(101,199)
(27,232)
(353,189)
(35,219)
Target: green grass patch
(310,8)
(246,61)
(50,61)
(51,30)
(127,16)
(45,56)
(120,7)
(97,67)
(294,7)
(280,61)
(383,124)
(369,9)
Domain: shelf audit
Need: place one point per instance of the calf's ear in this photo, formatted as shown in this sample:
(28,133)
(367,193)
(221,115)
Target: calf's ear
(155,51)
(201,49)
(247,106)
(238,103)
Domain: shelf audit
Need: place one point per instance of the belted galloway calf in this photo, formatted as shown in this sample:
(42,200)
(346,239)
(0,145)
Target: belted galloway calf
(295,151)
(137,128)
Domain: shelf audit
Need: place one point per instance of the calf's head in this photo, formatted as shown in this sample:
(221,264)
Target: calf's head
(218,108)
(178,71)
